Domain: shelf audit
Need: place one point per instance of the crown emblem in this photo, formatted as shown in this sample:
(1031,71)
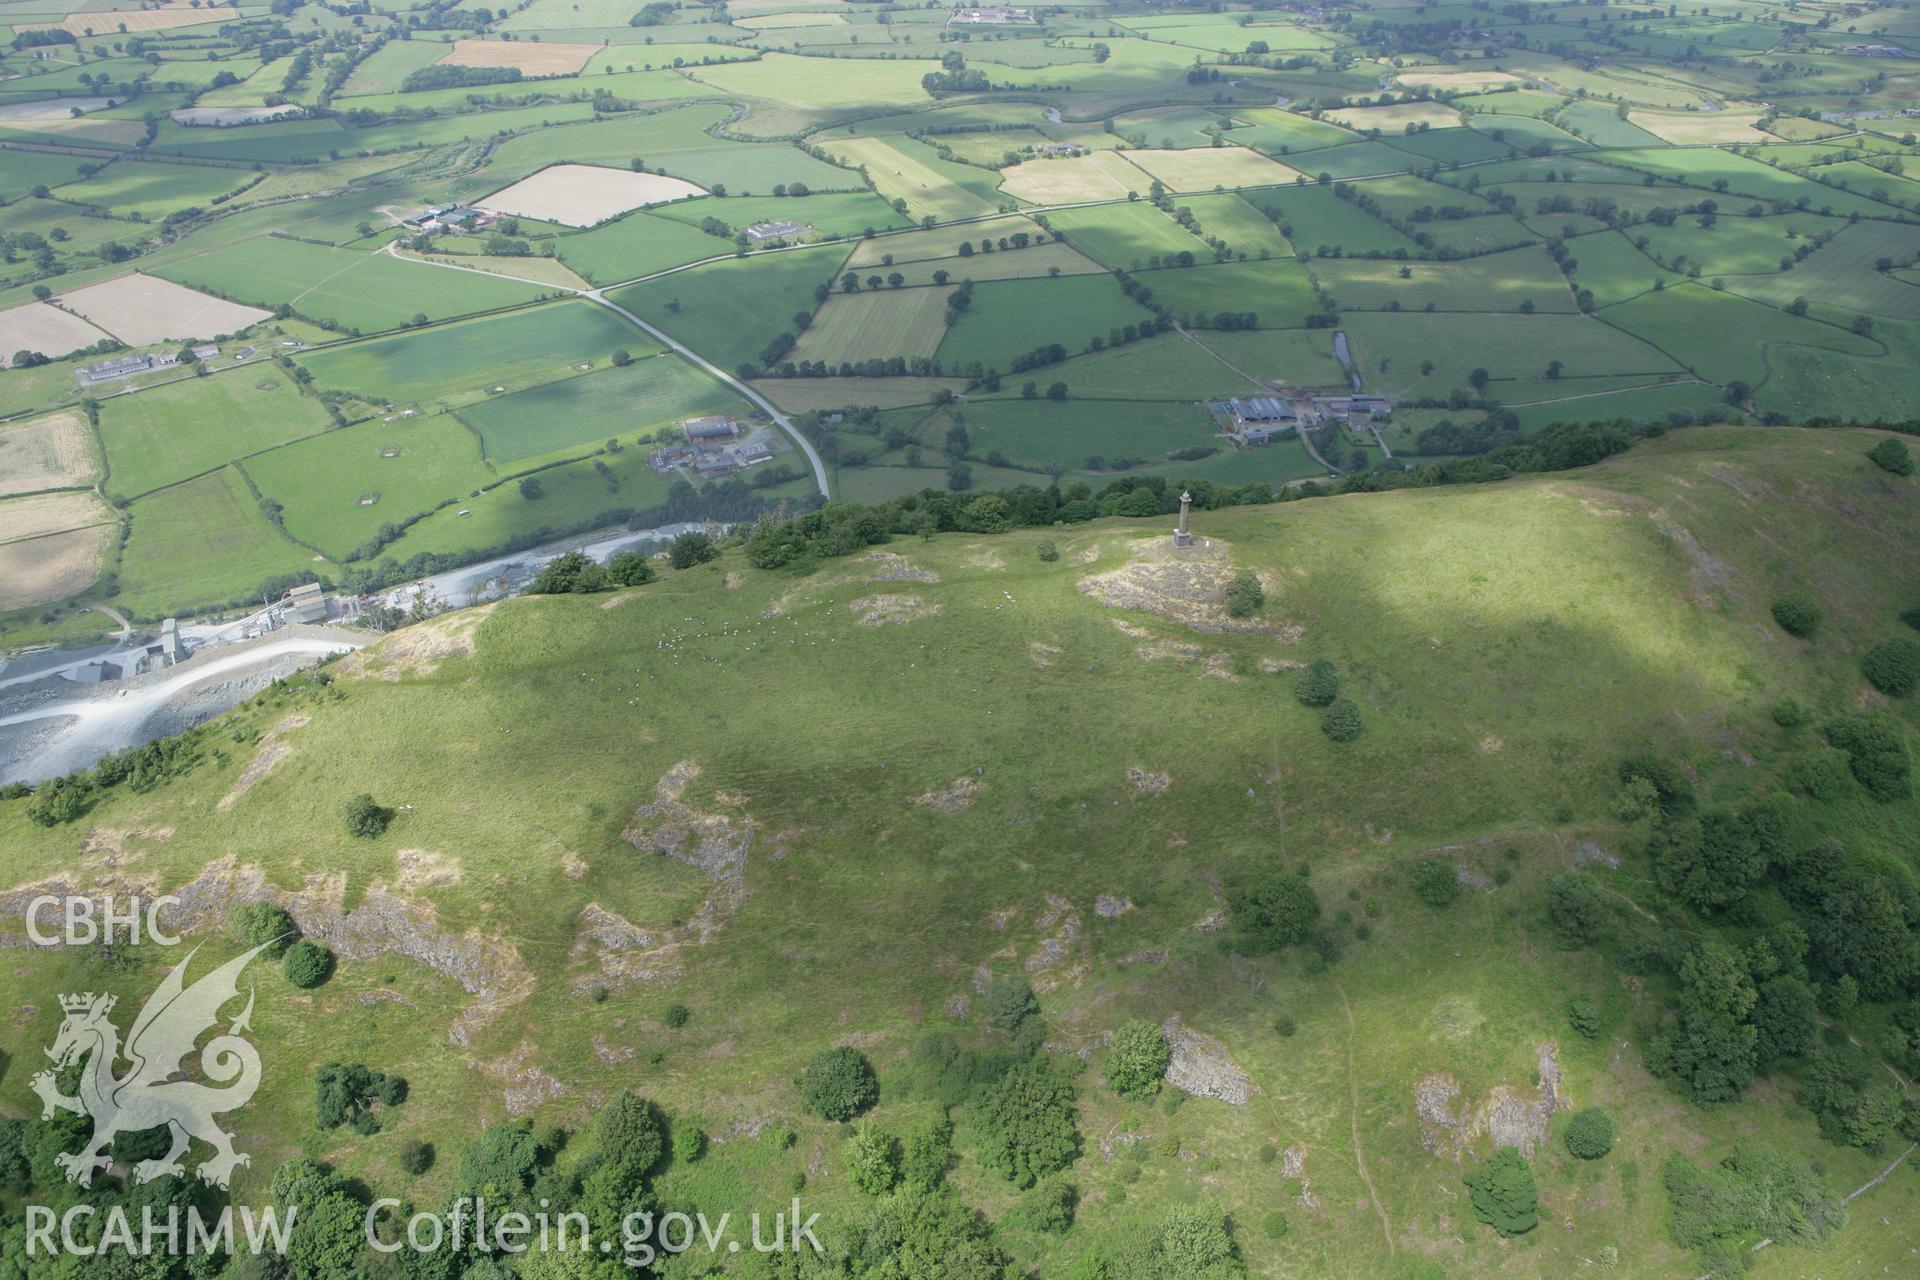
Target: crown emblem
(83,1001)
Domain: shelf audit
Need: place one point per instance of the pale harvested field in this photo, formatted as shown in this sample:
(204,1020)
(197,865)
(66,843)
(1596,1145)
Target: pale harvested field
(141,310)
(48,330)
(54,452)
(1699,126)
(1456,79)
(45,513)
(785,21)
(1103,175)
(1204,168)
(547,58)
(798,395)
(42,570)
(134,21)
(580,195)
(1396,118)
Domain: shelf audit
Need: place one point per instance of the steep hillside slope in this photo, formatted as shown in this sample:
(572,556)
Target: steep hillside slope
(824,810)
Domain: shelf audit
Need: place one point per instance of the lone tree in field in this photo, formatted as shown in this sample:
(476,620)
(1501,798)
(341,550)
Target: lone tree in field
(1892,455)
(839,1084)
(1893,666)
(1341,720)
(1504,1195)
(260,922)
(1798,614)
(691,548)
(1589,1134)
(1244,596)
(1318,685)
(307,964)
(365,817)
(1010,1002)
(1277,908)
(1435,882)
(1138,1059)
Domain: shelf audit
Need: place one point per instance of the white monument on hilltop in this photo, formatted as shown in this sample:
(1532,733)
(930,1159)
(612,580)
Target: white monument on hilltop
(1182,538)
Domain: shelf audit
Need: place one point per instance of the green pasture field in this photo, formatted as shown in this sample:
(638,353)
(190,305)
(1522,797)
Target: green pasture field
(152,190)
(321,480)
(1636,404)
(1597,122)
(1278,132)
(25,170)
(1702,166)
(654,136)
(86,232)
(1844,273)
(1167,367)
(728,311)
(383,71)
(1276,291)
(821,83)
(886,323)
(1299,357)
(1355,160)
(637,245)
(902,169)
(1449,146)
(1514,350)
(1400,197)
(1735,246)
(887,481)
(848,214)
(1011,317)
(165,434)
(1721,336)
(797,395)
(1631,201)
(1523,132)
(1172,126)
(455,364)
(361,289)
(1496,282)
(1813,380)
(939,242)
(1246,229)
(1010,264)
(1608,265)
(1127,236)
(1042,433)
(557,417)
(201,542)
(1474,236)
(1876,183)
(1313,217)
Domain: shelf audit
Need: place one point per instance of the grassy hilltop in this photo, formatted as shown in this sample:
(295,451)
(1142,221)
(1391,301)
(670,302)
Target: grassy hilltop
(953,758)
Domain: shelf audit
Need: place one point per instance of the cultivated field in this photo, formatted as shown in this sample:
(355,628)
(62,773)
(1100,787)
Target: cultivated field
(1103,175)
(1204,168)
(1395,119)
(46,329)
(890,322)
(37,571)
(547,58)
(1690,128)
(142,309)
(54,452)
(579,195)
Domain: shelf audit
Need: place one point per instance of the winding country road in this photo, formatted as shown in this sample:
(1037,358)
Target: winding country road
(672,344)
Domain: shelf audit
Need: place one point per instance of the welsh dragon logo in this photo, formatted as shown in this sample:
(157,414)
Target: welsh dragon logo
(153,1091)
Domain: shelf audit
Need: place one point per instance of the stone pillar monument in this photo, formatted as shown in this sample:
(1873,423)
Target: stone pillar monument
(1182,538)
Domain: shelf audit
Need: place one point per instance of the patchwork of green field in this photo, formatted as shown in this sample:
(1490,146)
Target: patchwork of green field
(1355,160)
(940,242)
(1044,433)
(1708,167)
(1516,280)
(835,214)
(1052,258)
(1278,132)
(1245,229)
(1391,352)
(1277,291)
(1171,366)
(873,323)
(1609,266)
(1295,357)
(1172,126)
(202,542)
(798,395)
(1403,197)
(1723,337)
(1735,246)
(338,488)
(356,288)
(820,83)
(1009,318)
(1124,236)
(903,169)
(166,434)
(460,363)
(557,417)
(1847,272)
(637,245)
(728,311)
(1451,146)
(1603,125)
(1313,218)
(26,170)
(384,69)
